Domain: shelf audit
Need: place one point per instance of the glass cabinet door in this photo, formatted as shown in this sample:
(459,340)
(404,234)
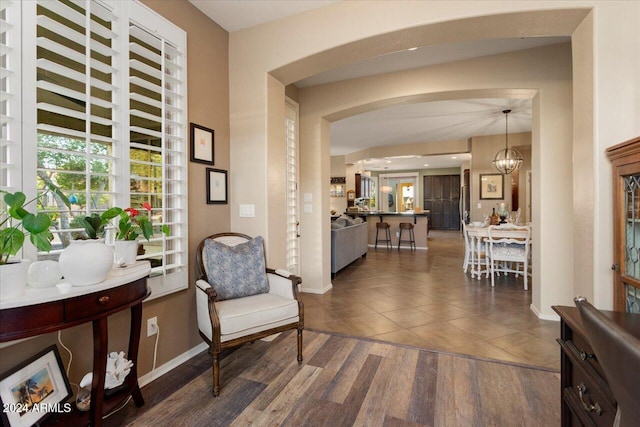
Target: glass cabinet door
(631,261)
(625,159)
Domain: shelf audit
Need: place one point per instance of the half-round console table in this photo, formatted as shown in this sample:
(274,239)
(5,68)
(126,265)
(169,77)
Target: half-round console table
(47,310)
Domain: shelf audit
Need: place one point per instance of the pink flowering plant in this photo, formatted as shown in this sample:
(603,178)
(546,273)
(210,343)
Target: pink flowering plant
(134,223)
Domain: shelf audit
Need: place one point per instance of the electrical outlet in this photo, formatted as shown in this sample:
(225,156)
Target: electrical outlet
(398,234)
(152,326)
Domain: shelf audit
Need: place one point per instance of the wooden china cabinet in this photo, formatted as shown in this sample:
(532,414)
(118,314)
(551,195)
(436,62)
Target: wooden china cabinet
(625,158)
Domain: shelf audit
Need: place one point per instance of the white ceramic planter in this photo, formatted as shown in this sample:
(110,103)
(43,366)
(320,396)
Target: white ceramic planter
(126,251)
(13,278)
(86,262)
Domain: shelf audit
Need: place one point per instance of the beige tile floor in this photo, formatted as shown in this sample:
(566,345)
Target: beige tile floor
(423,298)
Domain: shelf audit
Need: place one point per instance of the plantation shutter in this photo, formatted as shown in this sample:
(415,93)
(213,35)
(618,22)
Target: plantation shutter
(76,91)
(157,141)
(10,140)
(105,123)
(293,210)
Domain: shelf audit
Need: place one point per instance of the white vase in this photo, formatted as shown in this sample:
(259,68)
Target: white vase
(13,278)
(43,274)
(126,251)
(86,262)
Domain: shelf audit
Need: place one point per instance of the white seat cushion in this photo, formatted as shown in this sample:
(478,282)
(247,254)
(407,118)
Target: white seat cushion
(509,251)
(262,311)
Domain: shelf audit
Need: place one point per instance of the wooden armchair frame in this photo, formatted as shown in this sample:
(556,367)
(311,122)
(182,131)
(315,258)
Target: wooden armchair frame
(216,345)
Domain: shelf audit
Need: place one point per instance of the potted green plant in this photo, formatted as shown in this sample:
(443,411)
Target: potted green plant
(133,224)
(94,225)
(16,223)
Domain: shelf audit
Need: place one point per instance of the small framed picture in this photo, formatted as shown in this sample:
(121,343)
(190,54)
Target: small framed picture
(216,186)
(34,390)
(201,144)
(491,186)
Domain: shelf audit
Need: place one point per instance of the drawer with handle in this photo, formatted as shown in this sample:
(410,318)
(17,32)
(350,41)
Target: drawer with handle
(95,303)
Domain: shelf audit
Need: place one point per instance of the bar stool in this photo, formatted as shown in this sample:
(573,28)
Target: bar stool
(387,230)
(412,238)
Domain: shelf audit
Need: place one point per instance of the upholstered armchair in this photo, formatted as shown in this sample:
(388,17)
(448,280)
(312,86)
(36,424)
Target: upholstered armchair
(238,299)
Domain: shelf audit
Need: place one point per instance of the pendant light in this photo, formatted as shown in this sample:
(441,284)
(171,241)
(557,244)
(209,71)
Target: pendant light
(507,160)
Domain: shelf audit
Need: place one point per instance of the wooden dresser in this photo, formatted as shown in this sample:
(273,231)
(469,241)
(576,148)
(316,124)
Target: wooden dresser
(586,397)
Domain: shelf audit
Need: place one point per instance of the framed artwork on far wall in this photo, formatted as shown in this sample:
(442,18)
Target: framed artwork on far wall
(34,389)
(202,139)
(491,186)
(216,186)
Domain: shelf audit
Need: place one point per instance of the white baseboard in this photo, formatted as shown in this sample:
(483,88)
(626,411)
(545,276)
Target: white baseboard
(553,317)
(171,364)
(324,290)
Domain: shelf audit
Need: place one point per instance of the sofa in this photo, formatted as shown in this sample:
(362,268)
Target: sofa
(348,243)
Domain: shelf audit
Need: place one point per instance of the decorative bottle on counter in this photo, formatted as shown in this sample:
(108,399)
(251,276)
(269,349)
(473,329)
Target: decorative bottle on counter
(494,219)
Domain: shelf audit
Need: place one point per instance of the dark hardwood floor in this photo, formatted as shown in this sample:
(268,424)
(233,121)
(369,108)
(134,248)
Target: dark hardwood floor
(347,381)
(423,298)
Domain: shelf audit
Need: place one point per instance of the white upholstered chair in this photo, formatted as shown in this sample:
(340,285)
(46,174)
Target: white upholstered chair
(230,322)
(509,250)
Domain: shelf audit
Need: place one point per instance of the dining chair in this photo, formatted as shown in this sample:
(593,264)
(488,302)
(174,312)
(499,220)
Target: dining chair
(476,255)
(509,245)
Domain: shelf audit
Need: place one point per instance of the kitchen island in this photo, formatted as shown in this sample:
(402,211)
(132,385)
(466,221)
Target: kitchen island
(420,221)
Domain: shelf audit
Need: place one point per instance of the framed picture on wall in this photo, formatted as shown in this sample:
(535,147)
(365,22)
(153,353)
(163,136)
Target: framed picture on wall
(201,144)
(491,186)
(216,186)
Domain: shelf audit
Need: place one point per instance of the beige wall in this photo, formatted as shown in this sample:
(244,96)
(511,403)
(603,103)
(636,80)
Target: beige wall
(208,94)
(390,26)
(483,151)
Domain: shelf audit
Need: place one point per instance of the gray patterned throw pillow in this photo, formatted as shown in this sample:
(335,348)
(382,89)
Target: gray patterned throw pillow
(236,271)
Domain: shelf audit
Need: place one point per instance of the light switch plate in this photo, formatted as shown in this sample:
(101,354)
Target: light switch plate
(247,211)
(308,197)
(308,208)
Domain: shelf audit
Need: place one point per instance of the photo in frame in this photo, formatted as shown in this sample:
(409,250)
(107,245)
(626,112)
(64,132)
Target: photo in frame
(202,139)
(491,186)
(216,186)
(34,389)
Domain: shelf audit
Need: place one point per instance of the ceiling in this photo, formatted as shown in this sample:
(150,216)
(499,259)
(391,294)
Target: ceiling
(401,124)
(233,15)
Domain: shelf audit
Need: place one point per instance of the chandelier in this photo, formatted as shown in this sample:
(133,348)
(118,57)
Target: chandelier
(507,160)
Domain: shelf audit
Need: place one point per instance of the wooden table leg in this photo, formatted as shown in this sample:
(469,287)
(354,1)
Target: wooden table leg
(134,342)
(100,342)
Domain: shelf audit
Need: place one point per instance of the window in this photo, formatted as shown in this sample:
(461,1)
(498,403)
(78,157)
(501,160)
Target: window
(293,214)
(106,124)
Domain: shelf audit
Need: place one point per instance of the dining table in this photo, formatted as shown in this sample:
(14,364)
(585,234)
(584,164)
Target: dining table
(478,234)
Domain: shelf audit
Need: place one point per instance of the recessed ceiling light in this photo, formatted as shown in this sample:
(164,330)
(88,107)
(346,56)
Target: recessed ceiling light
(426,164)
(412,49)
(454,157)
(388,161)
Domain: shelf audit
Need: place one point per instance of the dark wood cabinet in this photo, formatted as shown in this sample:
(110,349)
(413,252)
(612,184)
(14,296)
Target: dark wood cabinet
(625,159)
(363,186)
(441,196)
(586,397)
(27,320)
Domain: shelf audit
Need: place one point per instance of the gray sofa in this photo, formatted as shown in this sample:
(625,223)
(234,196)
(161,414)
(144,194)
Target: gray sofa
(348,244)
